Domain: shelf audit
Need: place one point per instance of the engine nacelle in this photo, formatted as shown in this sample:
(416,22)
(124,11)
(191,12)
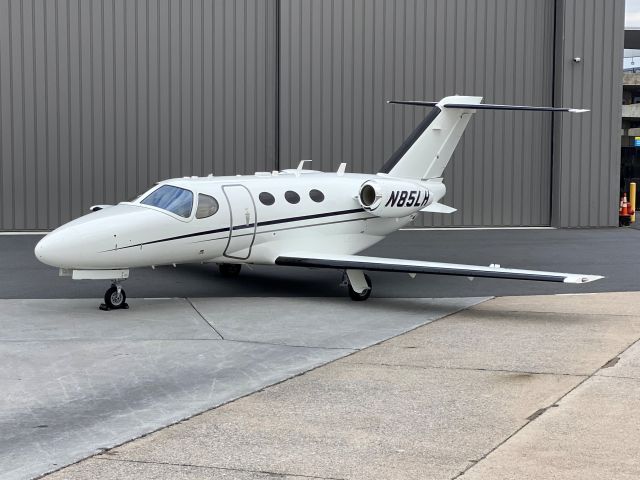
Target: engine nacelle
(393,198)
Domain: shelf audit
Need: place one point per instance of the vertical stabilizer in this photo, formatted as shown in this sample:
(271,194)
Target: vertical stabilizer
(427,150)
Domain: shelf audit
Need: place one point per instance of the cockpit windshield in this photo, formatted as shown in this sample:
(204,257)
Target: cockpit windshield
(173,199)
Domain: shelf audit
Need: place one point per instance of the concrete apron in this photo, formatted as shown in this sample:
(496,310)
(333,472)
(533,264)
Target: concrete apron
(77,381)
(515,387)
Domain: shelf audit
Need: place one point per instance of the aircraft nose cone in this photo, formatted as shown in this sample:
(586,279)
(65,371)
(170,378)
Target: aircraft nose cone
(60,248)
(39,250)
(50,251)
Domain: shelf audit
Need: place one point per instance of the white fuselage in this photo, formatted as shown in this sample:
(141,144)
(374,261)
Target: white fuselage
(296,218)
(243,229)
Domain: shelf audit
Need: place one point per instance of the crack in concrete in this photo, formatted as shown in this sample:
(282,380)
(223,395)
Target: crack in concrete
(470,369)
(212,467)
(114,339)
(533,417)
(134,340)
(257,342)
(537,413)
(611,362)
(203,318)
(275,344)
(576,314)
(620,377)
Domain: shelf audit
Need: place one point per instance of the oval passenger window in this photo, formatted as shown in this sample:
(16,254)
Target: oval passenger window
(291,196)
(316,195)
(266,198)
(207,206)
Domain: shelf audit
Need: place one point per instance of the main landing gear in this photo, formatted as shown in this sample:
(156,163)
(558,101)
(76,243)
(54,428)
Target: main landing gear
(359,285)
(229,269)
(114,298)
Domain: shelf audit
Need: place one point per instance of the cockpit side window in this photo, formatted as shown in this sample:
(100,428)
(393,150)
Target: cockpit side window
(173,199)
(207,206)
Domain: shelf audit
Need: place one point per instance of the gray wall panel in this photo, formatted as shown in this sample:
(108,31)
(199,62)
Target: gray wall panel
(586,168)
(101,98)
(6,158)
(342,59)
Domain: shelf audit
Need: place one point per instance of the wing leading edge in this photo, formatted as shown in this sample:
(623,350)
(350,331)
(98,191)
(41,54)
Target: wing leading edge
(356,262)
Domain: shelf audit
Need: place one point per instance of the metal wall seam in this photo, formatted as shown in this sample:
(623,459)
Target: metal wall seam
(100,98)
(420,49)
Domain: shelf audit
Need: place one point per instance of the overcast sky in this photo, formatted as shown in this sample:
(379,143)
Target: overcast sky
(632,17)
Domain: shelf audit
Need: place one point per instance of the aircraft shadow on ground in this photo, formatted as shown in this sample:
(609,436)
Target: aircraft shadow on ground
(268,283)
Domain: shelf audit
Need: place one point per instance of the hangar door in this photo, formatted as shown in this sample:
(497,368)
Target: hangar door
(341,60)
(99,99)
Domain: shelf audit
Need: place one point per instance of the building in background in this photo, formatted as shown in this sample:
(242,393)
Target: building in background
(101,98)
(630,159)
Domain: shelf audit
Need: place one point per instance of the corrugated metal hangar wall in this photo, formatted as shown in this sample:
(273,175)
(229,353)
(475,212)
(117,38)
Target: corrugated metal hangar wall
(101,98)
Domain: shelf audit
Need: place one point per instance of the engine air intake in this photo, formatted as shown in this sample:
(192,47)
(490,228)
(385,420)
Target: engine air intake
(368,195)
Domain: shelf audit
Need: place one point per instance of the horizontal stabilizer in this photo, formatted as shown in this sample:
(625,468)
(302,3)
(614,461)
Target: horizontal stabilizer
(438,208)
(488,106)
(427,150)
(357,262)
(415,103)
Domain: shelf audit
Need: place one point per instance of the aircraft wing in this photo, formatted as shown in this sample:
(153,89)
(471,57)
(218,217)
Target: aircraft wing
(357,262)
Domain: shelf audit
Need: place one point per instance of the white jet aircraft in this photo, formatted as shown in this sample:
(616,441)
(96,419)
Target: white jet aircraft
(296,217)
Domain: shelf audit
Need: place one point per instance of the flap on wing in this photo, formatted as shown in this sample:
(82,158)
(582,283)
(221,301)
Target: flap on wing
(357,262)
(438,208)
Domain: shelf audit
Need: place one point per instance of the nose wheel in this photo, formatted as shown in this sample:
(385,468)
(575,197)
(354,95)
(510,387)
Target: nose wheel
(114,298)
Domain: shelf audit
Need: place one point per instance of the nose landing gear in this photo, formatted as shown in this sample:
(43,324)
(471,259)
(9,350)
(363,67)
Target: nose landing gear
(114,298)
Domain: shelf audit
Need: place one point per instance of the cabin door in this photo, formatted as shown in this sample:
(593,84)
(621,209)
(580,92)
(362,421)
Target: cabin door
(242,221)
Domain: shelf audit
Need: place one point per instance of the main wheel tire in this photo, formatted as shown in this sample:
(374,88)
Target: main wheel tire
(360,297)
(112,299)
(230,269)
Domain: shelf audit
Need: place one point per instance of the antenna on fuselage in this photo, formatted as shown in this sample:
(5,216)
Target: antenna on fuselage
(300,167)
(341,169)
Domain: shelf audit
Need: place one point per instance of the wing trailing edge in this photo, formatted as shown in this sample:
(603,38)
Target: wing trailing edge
(356,262)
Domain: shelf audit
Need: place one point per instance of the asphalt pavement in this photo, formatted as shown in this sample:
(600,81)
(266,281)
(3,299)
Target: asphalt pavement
(611,252)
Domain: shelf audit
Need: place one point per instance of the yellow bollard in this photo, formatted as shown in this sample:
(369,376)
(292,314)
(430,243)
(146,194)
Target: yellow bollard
(632,200)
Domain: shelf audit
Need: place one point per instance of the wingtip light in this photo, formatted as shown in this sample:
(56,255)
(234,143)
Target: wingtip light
(582,278)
